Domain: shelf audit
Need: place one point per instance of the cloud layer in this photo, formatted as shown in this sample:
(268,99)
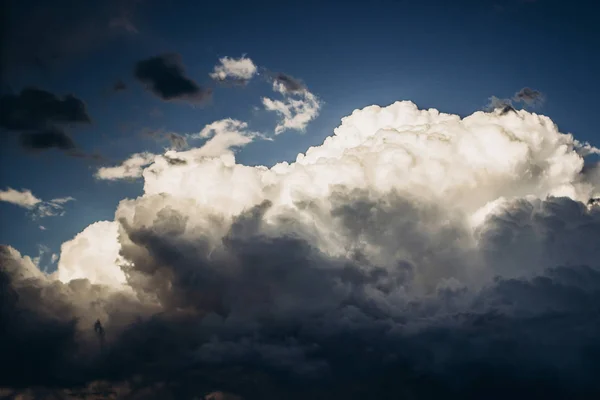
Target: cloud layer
(412,254)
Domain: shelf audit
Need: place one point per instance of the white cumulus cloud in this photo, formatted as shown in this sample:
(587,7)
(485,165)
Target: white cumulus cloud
(238,69)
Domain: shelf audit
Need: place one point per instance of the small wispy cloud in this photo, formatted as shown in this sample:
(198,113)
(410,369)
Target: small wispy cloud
(131,168)
(298,107)
(36,207)
(527,96)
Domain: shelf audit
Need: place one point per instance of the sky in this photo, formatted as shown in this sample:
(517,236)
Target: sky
(278,192)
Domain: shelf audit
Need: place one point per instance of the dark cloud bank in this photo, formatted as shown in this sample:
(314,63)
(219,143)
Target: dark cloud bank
(265,315)
(40,118)
(44,34)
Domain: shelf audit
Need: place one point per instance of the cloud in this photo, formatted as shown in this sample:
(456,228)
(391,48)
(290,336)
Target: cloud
(175,140)
(502,106)
(164,75)
(37,35)
(47,139)
(119,86)
(39,117)
(51,208)
(284,83)
(298,107)
(529,97)
(36,108)
(221,138)
(455,257)
(22,198)
(236,69)
(223,135)
(130,169)
(37,208)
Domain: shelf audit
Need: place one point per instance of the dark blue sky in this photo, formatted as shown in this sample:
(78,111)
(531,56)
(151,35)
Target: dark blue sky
(449,55)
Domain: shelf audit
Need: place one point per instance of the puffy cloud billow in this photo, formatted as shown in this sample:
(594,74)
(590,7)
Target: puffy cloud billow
(414,254)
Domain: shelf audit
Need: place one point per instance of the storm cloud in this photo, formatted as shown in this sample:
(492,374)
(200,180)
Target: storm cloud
(414,254)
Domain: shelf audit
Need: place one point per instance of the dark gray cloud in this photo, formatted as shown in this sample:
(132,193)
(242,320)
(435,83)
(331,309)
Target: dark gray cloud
(119,86)
(503,106)
(164,75)
(41,34)
(289,83)
(528,96)
(46,140)
(39,116)
(175,140)
(260,312)
(36,109)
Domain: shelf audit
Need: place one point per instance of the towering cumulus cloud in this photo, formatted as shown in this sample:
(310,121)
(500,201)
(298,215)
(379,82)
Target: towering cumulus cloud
(414,254)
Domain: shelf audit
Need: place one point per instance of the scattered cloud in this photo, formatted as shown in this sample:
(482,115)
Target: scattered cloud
(223,136)
(298,107)
(131,168)
(284,84)
(503,106)
(449,253)
(164,75)
(37,208)
(37,35)
(23,198)
(50,40)
(296,113)
(529,97)
(239,70)
(39,117)
(36,108)
(119,86)
(176,141)
(47,139)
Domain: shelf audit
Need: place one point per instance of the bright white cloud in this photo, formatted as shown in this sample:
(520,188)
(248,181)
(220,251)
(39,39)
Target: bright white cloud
(23,198)
(92,254)
(130,169)
(240,69)
(463,166)
(223,135)
(296,109)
